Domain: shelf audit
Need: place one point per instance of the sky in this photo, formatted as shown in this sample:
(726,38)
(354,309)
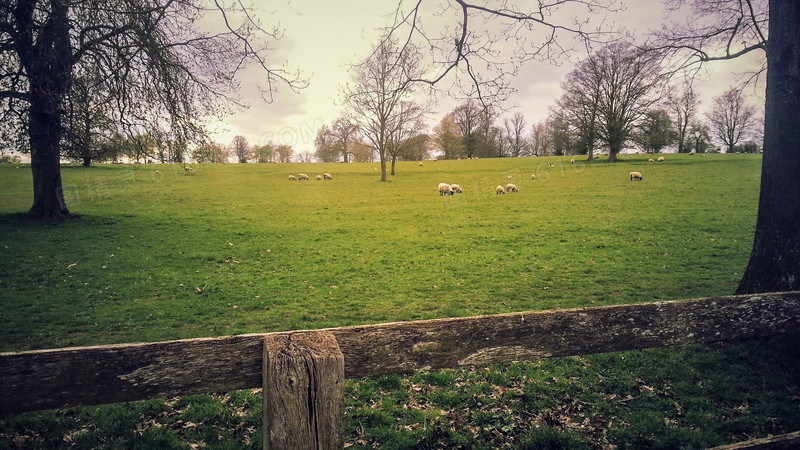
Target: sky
(322,38)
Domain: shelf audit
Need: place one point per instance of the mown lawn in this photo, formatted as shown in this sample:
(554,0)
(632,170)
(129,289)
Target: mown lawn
(159,254)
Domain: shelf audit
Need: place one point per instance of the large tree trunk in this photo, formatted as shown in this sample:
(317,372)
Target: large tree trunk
(775,260)
(383,165)
(49,68)
(48,194)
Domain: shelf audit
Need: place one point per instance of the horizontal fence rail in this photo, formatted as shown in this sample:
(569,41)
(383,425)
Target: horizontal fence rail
(47,379)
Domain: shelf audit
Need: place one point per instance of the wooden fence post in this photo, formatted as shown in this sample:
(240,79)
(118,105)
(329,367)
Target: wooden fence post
(303,391)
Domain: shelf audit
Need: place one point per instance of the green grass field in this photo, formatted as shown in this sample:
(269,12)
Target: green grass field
(158,254)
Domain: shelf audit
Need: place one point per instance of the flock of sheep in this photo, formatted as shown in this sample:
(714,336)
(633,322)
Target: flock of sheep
(452,189)
(303,176)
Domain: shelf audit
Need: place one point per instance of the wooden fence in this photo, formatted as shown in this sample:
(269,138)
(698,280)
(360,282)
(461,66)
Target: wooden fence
(302,372)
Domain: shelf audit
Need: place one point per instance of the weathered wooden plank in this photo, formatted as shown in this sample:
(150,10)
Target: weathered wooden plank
(789,441)
(303,392)
(84,376)
(412,346)
(116,373)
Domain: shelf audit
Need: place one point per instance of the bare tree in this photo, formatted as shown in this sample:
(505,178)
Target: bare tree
(362,152)
(683,103)
(468,117)
(325,145)
(155,63)
(284,153)
(540,139)
(380,84)
(515,135)
(305,157)
(264,153)
(731,117)
(86,127)
(579,105)
(241,149)
(447,138)
(345,133)
(730,29)
(474,56)
(210,152)
(404,130)
(628,79)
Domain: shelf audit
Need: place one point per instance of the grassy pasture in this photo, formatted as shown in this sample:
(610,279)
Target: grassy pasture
(159,254)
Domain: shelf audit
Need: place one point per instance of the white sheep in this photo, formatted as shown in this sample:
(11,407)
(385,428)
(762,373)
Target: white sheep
(444,189)
(319,177)
(500,190)
(302,176)
(651,160)
(533,177)
(327,176)
(511,187)
(636,176)
(572,161)
(660,159)
(292,177)
(456,189)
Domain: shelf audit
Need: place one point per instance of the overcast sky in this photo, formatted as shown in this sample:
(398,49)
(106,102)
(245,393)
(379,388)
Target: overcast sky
(323,37)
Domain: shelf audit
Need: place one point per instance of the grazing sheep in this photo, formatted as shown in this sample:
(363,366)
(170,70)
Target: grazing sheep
(445,189)
(651,160)
(636,176)
(660,159)
(420,164)
(456,189)
(511,187)
(499,190)
(292,178)
(533,177)
(572,161)
(327,176)
(302,176)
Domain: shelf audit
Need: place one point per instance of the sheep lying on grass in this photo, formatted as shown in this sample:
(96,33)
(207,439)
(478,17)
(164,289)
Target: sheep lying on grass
(302,176)
(327,176)
(445,189)
(292,177)
(511,187)
(636,176)
(651,160)
(499,190)
(456,189)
